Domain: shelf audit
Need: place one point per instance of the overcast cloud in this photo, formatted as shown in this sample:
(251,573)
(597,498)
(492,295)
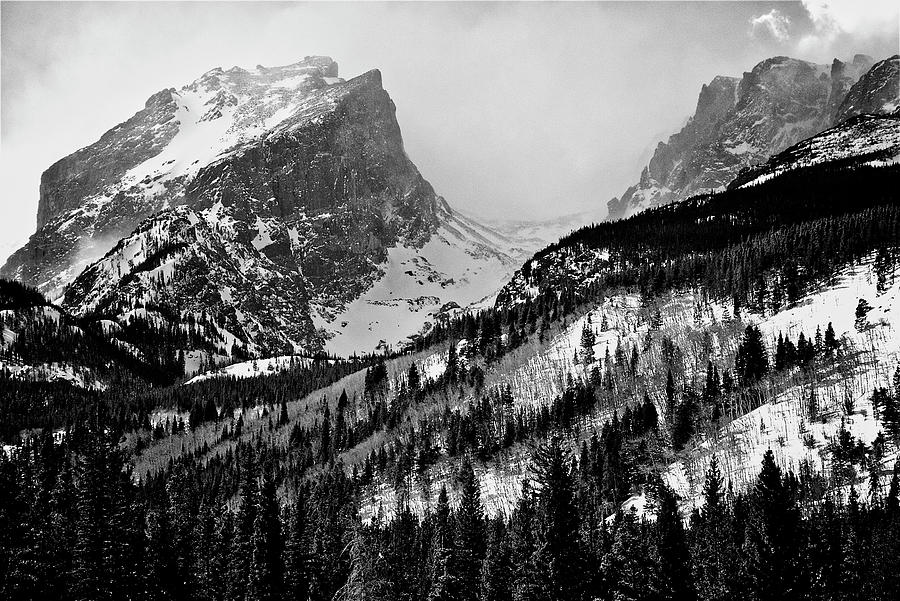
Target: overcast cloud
(510,110)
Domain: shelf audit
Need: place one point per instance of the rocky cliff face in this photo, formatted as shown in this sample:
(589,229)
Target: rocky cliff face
(740,123)
(264,197)
(876,93)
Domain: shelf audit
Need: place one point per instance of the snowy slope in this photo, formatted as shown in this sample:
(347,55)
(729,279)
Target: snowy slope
(252,369)
(783,425)
(464,264)
(780,425)
(193,263)
(867,139)
(533,235)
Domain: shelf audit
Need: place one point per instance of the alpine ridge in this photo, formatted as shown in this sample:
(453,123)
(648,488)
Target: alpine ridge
(739,123)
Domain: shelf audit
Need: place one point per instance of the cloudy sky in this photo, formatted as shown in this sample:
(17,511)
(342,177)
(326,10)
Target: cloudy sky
(511,110)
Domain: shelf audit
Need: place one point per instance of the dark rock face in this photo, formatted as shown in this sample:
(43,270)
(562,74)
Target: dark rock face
(876,92)
(741,123)
(843,77)
(341,186)
(68,181)
(284,185)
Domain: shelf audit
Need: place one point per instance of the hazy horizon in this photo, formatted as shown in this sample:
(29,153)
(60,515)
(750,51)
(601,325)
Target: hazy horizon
(512,111)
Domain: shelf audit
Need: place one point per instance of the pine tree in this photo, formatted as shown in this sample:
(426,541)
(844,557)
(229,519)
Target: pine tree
(325,442)
(713,555)
(452,363)
(496,573)
(674,556)
(296,560)
(159,558)
(670,398)
(862,309)
(523,547)
(587,345)
(831,341)
(559,560)
(413,380)
(265,571)
(773,545)
(445,584)
(751,361)
(241,552)
(628,566)
(470,532)
(101,512)
(283,414)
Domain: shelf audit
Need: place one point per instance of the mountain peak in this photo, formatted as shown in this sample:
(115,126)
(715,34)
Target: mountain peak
(740,123)
(285,188)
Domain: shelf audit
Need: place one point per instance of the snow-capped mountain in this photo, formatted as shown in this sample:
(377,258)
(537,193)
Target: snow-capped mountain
(742,122)
(536,234)
(270,199)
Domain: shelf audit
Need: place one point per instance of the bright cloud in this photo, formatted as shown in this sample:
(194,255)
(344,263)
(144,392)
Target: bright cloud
(836,19)
(770,26)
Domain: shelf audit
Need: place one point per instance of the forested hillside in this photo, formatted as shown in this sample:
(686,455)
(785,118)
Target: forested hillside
(699,402)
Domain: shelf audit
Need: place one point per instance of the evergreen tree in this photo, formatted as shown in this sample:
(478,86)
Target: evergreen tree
(670,397)
(413,380)
(523,547)
(628,567)
(496,573)
(325,443)
(446,584)
(751,361)
(831,341)
(713,553)
(773,543)
(587,345)
(674,556)
(470,532)
(265,571)
(559,560)
(296,560)
(242,543)
(283,414)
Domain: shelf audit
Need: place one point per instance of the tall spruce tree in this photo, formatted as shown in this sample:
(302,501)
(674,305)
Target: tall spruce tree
(773,540)
(672,547)
(559,559)
(751,361)
(470,531)
(265,578)
(241,552)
